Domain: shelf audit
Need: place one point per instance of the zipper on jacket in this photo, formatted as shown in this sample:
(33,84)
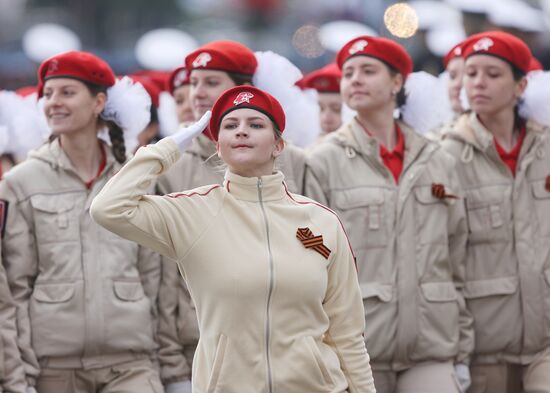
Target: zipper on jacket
(270,291)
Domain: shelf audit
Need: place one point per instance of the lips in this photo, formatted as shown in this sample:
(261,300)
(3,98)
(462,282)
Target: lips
(242,146)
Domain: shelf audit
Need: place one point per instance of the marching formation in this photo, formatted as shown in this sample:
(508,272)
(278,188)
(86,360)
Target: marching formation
(234,226)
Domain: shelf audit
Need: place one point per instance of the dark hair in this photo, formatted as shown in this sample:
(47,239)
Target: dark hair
(115,132)
(240,79)
(401,96)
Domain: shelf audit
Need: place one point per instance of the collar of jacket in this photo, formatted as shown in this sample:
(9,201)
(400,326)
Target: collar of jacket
(248,188)
(353,136)
(470,130)
(53,154)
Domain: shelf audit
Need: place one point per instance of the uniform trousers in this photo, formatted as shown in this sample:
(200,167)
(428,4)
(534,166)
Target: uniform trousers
(425,377)
(512,378)
(129,377)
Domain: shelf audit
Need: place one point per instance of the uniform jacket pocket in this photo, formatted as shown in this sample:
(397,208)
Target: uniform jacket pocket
(217,365)
(495,306)
(56,311)
(438,332)
(362,211)
(541,196)
(54,218)
(487,215)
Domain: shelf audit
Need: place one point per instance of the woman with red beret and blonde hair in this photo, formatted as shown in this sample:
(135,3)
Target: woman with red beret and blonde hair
(85,298)
(504,166)
(399,199)
(209,70)
(271,273)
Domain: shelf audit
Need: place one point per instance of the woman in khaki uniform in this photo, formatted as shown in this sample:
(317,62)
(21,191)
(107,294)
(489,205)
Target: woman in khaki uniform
(272,273)
(85,297)
(212,69)
(12,374)
(399,199)
(504,166)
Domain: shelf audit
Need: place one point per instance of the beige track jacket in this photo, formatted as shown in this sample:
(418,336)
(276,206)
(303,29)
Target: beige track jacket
(274,315)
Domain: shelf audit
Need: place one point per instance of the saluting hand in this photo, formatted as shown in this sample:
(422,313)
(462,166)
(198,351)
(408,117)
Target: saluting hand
(185,135)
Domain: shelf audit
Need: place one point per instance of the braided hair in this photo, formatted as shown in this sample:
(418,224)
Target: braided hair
(115,132)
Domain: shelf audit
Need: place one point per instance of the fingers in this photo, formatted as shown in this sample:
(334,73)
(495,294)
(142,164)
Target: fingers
(200,125)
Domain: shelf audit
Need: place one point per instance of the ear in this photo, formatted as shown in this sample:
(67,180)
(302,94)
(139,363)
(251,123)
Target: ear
(397,83)
(279,147)
(218,153)
(100,101)
(520,87)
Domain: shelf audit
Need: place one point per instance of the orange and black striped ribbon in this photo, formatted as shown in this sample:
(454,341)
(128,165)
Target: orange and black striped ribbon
(314,242)
(438,191)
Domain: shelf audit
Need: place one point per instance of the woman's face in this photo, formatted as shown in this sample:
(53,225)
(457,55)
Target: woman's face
(330,105)
(206,87)
(69,106)
(247,143)
(490,85)
(367,84)
(455,68)
(184,110)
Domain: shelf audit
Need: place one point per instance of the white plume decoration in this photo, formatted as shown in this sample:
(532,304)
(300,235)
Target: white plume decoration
(535,103)
(427,107)
(277,75)
(129,106)
(168,118)
(24,122)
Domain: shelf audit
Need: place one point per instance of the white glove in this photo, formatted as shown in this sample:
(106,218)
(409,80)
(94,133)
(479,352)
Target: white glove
(30,389)
(462,373)
(178,387)
(185,135)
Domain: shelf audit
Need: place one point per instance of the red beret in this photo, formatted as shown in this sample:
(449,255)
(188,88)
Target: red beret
(159,78)
(150,87)
(178,78)
(246,97)
(324,80)
(499,44)
(228,56)
(83,66)
(386,50)
(455,52)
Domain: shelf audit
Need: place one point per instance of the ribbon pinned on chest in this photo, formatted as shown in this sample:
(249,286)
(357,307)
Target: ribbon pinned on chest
(438,191)
(314,242)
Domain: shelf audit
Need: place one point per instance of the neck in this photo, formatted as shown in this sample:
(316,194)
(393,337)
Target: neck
(83,150)
(380,124)
(501,125)
(253,171)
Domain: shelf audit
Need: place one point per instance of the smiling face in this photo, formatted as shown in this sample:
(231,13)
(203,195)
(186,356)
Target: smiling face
(206,87)
(247,142)
(367,84)
(70,106)
(490,85)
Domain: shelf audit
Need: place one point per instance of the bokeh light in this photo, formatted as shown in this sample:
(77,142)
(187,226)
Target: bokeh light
(401,20)
(306,42)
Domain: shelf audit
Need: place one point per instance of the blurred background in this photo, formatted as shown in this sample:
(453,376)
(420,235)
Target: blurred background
(141,34)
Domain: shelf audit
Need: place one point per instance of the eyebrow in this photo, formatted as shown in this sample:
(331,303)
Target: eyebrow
(248,118)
